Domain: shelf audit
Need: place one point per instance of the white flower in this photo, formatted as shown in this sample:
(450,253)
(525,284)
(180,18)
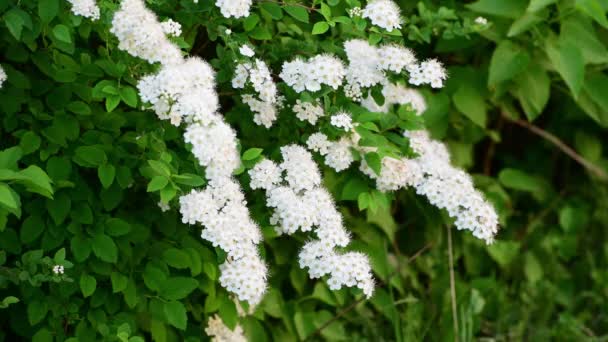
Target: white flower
(310,75)
(245,50)
(141,35)
(265,175)
(58,269)
(219,332)
(318,142)
(258,75)
(430,72)
(396,94)
(301,169)
(171,28)
(355,12)
(308,111)
(228,31)
(215,147)
(85,8)
(2,76)
(342,120)
(481,21)
(383,13)
(234,8)
(339,157)
(395,58)
(163,206)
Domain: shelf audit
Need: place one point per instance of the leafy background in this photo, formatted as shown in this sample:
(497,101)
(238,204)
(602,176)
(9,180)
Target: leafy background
(82,168)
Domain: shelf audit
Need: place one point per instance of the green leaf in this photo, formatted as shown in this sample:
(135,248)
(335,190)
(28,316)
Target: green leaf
(273,9)
(119,282)
(59,256)
(526,22)
(508,9)
(88,284)
(36,311)
(8,301)
(79,107)
(519,180)
(48,9)
(228,313)
(176,258)
(537,5)
(112,101)
(507,61)
(36,180)
(595,87)
(29,143)
(298,12)
(157,183)
(117,227)
(533,90)
(252,153)
(260,33)
(176,288)
(15,21)
(10,157)
(504,252)
(59,207)
(320,27)
(580,32)
(105,248)
(129,96)
(42,335)
(569,63)
(106,175)
(62,33)
(532,268)
(7,197)
(594,9)
(176,315)
(90,156)
(31,229)
(82,213)
(189,179)
(471,103)
(81,248)
(373,161)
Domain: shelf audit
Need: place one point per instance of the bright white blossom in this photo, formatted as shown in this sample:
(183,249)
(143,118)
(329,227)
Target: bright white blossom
(265,175)
(383,13)
(215,147)
(246,51)
(219,332)
(308,111)
(301,204)
(234,8)
(396,94)
(355,12)
(2,76)
(430,72)
(171,28)
(258,75)
(339,157)
(164,207)
(342,120)
(58,269)
(481,21)
(310,75)
(85,8)
(318,142)
(395,58)
(141,35)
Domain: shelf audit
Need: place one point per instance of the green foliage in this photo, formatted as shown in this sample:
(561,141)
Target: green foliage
(83,170)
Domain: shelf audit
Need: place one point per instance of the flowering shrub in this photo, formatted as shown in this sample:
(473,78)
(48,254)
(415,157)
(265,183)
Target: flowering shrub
(240,170)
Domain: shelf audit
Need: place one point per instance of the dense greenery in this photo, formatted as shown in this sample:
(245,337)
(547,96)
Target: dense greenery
(83,167)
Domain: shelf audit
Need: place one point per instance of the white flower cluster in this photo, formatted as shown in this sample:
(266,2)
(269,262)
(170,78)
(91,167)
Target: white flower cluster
(258,76)
(308,111)
(85,8)
(2,76)
(184,91)
(219,332)
(293,190)
(383,13)
(141,35)
(234,8)
(430,72)
(396,94)
(342,120)
(171,28)
(310,75)
(355,12)
(368,64)
(222,209)
(58,269)
(481,21)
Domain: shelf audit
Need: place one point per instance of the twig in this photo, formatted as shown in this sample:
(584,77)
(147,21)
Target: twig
(599,172)
(452,284)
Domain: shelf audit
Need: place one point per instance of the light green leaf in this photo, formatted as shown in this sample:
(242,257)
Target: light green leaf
(175,312)
(320,27)
(119,282)
(176,288)
(298,12)
(157,183)
(252,153)
(471,103)
(533,90)
(105,248)
(88,284)
(508,9)
(7,198)
(62,33)
(48,9)
(569,63)
(176,258)
(507,61)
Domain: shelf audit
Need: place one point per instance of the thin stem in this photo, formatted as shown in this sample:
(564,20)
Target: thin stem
(452,284)
(596,170)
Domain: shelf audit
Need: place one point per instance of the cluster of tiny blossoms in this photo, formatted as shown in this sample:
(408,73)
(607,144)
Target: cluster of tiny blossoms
(85,8)
(219,332)
(396,94)
(293,189)
(58,269)
(257,75)
(183,91)
(171,28)
(234,8)
(2,76)
(337,154)
(141,35)
(309,75)
(308,111)
(383,13)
